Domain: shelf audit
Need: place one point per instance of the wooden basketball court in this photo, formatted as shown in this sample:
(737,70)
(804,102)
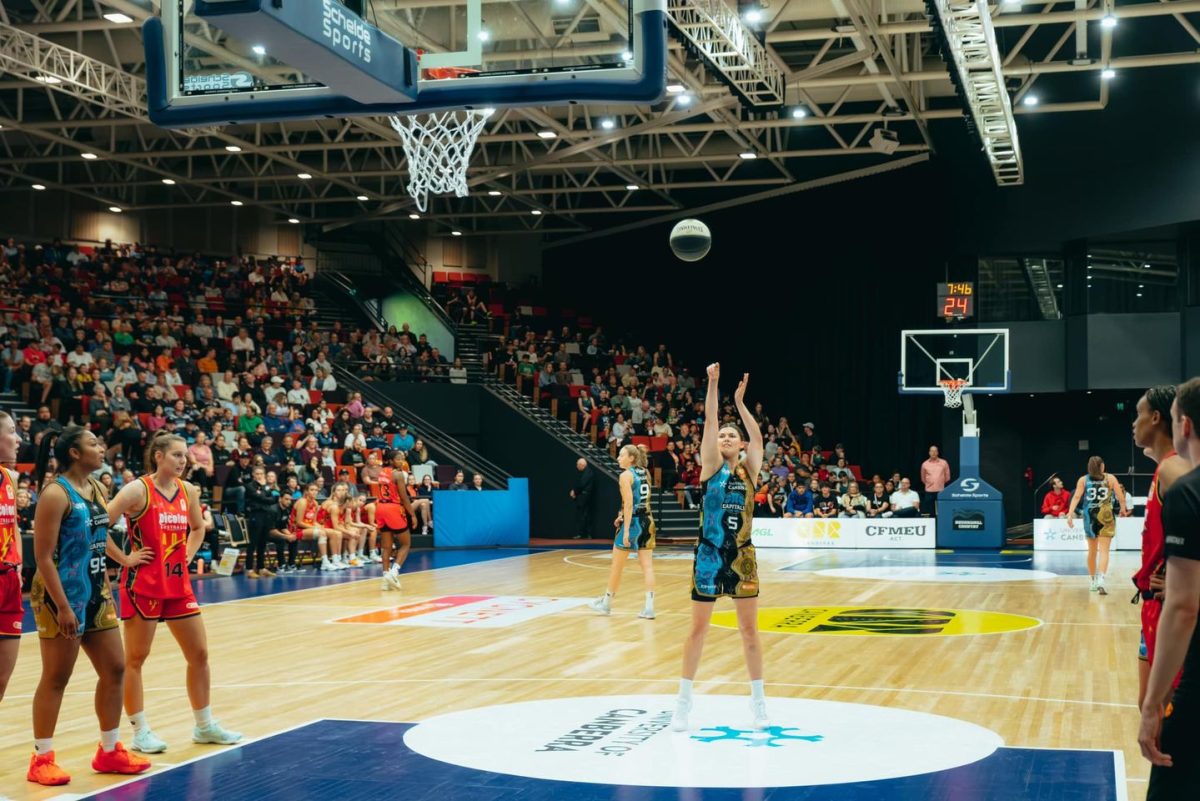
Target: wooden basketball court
(460,638)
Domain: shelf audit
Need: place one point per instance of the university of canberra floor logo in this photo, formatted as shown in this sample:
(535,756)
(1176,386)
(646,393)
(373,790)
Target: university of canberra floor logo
(599,739)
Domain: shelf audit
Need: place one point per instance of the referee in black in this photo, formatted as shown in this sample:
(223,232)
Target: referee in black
(1172,744)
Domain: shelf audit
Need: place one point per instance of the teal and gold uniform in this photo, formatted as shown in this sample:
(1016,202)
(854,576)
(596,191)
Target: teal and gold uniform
(725,564)
(641,524)
(79,558)
(1098,503)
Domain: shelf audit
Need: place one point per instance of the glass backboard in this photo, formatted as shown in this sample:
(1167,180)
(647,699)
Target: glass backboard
(977,355)
(219,65)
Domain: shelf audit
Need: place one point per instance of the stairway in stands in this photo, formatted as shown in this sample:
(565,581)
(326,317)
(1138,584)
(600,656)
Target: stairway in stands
(674,523)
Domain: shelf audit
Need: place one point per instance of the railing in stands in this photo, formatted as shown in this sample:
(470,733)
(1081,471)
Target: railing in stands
(442,445)
(578,443)
(344,284)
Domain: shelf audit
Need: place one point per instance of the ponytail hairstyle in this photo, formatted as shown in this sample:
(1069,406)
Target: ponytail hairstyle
(60,444)
(1095,468)
(1159,399)
(159,444)
(635,455)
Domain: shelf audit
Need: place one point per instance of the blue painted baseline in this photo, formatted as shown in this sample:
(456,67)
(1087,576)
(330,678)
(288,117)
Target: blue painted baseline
(364,761)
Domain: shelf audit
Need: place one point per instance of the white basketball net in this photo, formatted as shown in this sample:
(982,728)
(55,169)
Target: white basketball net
(953,390)
(438,147)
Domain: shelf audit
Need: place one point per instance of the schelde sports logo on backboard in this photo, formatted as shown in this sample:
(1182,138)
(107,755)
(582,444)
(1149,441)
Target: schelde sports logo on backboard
(345,31)
(627,740)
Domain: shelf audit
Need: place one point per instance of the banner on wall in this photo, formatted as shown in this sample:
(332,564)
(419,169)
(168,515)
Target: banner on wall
(848,532)
(1054,535)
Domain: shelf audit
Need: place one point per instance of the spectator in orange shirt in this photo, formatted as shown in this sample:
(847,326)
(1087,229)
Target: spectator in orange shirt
(208,363)
(1057,500)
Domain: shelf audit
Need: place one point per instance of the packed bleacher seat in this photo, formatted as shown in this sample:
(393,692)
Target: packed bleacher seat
(129,339)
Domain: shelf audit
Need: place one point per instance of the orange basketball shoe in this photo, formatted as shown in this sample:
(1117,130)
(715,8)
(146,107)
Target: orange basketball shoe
(43,770)
(118,760)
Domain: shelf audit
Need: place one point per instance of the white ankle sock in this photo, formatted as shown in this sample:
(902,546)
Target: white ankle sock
(108,740)
(650,598)
(756,690)
(43,746)
(685,689)
(203,716)
(138,719)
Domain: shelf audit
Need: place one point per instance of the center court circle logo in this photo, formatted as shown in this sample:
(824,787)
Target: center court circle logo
(876,621)
(626,739)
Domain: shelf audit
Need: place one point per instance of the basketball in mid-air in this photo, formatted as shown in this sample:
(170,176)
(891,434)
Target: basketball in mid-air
(690,240)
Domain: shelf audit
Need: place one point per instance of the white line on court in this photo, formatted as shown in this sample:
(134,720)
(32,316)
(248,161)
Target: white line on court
(627,680)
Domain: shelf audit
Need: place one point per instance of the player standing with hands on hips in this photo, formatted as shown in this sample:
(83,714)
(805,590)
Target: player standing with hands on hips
(635,530)
(725,564)
(1170,732)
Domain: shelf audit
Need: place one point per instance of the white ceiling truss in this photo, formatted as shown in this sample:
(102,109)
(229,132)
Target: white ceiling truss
(851,66)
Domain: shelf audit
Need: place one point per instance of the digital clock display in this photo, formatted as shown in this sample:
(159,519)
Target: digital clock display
(956,300)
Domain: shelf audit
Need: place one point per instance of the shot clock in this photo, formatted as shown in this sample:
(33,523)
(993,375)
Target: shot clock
(956,301)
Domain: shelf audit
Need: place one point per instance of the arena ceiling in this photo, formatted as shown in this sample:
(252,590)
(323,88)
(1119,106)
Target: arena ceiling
(850,66)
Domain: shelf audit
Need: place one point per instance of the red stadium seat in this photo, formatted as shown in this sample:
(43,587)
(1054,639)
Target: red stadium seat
(576,390)
(181,390)
(25,468)
(440,276)
(455,278)
(856,471)
(658,444)
(315,396)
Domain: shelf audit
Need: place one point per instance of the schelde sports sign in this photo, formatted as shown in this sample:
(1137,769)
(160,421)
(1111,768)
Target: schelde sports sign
(1054,535)
(808,532)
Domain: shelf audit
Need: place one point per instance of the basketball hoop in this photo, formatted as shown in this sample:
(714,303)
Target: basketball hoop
(952,388)
(438,147)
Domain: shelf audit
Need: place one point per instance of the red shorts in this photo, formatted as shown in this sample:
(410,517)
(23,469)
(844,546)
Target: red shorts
(11,610)
(1151,611)
(158,608)
(391,516)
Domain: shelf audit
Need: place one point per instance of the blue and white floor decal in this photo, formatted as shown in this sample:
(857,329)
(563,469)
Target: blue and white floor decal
(605,748)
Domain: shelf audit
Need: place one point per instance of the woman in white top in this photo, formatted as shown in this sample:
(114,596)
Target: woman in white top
(323,382)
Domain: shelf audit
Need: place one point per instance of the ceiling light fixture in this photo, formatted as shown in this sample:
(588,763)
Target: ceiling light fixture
(675,88)
(483,36)
(1108,21)
(495,193)
(1030,100)
(536,212)
(608,123)
(89,156)
(169,181)
(632,187)
(799,113)
(363,198)
(685,99)
(115,209)
(1108,73)
(456,233)
(546,134)
(40,187)
(49,80)
(118,18)
(304,176)
(749,155)
(259,50)
(233,148)
(414,216)
(236,203)
(754,15)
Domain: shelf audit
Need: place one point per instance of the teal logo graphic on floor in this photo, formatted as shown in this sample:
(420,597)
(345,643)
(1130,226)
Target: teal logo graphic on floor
(597,739)
(770,737)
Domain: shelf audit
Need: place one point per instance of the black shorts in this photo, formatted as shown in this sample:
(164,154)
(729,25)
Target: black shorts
(1181,740)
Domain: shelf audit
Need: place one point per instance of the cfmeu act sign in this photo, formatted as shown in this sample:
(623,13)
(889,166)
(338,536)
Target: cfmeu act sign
(881,621)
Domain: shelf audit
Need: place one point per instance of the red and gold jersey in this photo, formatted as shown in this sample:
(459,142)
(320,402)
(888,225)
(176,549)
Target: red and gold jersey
(387,486)
(308,519)
(10,536)
(1153,542)
(163,528)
